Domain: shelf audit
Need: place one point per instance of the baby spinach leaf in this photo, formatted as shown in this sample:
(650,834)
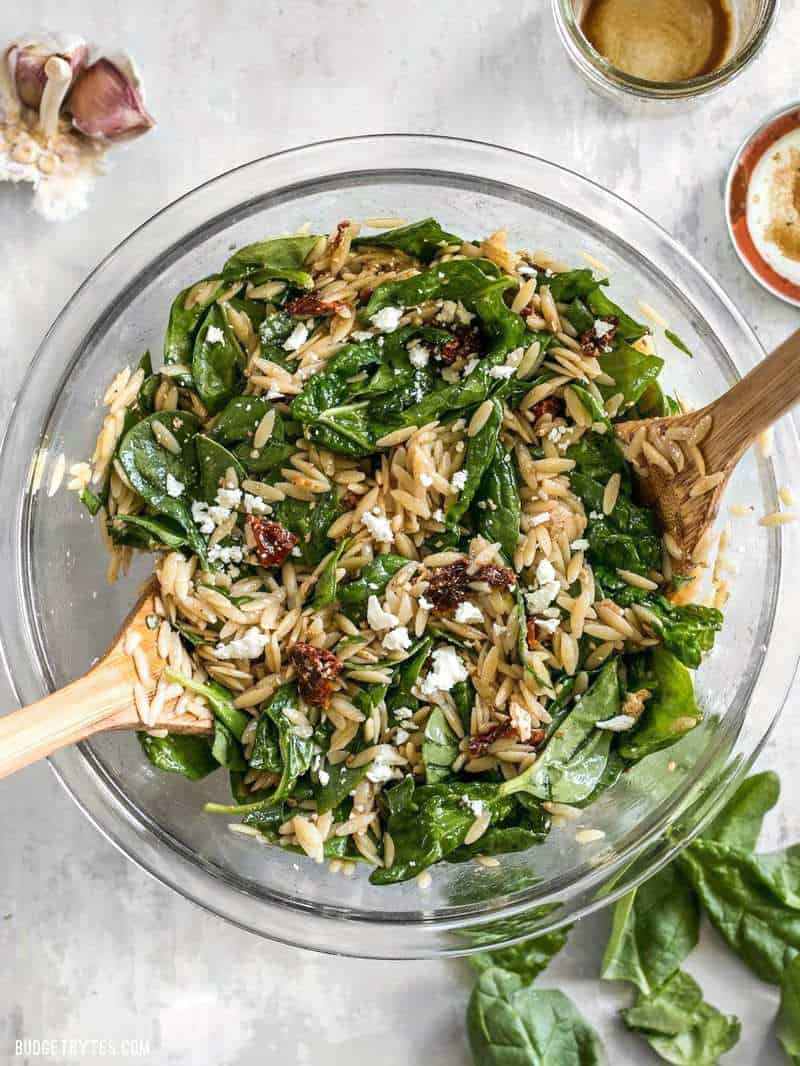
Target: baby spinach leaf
(148,466)
(332,389)
(631,370)
(372,580)
(746,901)
(266,753)
(240,418)
(568,285)
(480,452)
(152,533)
(654,928)
(325,592)
(738,824)
(213,460)
(575,757)
(498,503)
(297,752)
(528,959)
(788,1025)
(674,339)
(627,539)
(602,307)
(219,699)
(510,1023)
(598,456)
(217,361)
(187,309)
(91,501)
(669,713)
(180,753)
(226,749)
(279,258)
(439,748)
(458,279)
(421,240)
(310,521)
(405,677)
(680,1026)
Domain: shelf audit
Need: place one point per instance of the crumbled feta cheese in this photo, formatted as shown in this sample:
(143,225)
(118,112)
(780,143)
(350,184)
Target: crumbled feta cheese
(502,372)
(397,639)
(602,329)
(458,480)
(545,572)
(595,515)
(218,553)
(448,669)
(542,597)
(174,487)
(556,433)
(387,319)
(255,504)
(522,722)
(467,612)
(297,338)
(618,724)
(379,526)
(463,315)
(418,355)
(250,646)
(214,335)
(552,612)
(540,519)
(547,625)
(380,770)
(526,271)
(474,805)
(201,517)
(425,480)
(297,551)
(229,498)
(362,335)
(579,545)
(402,714)
(438,515)
(425,603)
(219,515)
(323,777)
(498,630)
(401,736)
(377,618)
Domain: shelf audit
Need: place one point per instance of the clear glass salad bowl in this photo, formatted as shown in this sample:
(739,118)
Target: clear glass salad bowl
(58,613)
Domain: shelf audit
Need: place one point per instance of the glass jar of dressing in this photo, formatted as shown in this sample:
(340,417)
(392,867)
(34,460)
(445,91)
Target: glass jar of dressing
(662,49)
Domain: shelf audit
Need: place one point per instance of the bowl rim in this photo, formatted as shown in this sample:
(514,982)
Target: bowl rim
(67,764)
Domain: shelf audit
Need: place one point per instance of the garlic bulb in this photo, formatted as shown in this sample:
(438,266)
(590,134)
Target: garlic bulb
(28,57)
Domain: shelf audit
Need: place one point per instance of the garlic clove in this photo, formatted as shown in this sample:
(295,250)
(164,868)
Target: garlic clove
(27,58)
(106,101)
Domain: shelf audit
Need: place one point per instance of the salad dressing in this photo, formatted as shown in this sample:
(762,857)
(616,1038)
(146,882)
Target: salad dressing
(661,40)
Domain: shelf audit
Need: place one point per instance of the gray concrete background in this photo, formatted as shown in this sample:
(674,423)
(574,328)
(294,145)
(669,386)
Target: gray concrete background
(91,948)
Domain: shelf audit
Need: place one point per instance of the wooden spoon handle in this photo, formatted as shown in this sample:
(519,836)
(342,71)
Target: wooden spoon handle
(754,404)
(94,702)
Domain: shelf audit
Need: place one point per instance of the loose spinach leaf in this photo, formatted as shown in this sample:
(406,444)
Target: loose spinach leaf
(310,522)
(180,753)
(279,258)
(187,309)
(631,370)
(738,824)
(458,279)
(148,465)
(680,1026)
(151,533)
(439,748)
(669,713)
(372,580)
(601,307)
(528,959)
(481,450)
(266,752)
(327,583)
(746,901)
(219,699)
(626,539)
(91,501)
(239,420)
(673,338)
(653,930)
(568,285)
(226,749)
(498,503)
(405,677)
(217,360)
(213,460)
(576,755)
(598,456)
(422,240)
(513,1024)
(297,752)
(788,1025)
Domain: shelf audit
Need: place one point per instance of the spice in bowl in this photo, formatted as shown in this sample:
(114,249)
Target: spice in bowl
(661,40)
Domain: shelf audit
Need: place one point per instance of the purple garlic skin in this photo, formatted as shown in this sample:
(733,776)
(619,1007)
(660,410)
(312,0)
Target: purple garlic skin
(106,102)
(28,56)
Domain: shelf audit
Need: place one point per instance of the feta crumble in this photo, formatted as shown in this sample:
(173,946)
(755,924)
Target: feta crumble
(397,639)
(379,526)
(425,603)
(425,480)
(362,335)
(297,338)
(459,480)
(214,335)
(232,553)
(545,572)
(323,777)
(602,329)
(403,714)
(230,498)
(250,646)
(255,504)
(474,805)
(620,723)
(547,625)
(418,355)
(467,612)
(174,487)
(387,319)
(579,545)
(377,617)
(448,669)
(502,372)
(542,597)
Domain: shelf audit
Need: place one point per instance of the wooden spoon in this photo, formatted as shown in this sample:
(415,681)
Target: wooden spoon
(683,463)
(101,700)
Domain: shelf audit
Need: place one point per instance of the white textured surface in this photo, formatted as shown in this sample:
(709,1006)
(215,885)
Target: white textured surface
(91,947)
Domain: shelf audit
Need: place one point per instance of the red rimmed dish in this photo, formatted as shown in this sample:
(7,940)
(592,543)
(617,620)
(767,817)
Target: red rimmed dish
(762,204)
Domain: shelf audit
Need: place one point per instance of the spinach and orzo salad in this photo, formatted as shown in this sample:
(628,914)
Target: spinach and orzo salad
(402,572)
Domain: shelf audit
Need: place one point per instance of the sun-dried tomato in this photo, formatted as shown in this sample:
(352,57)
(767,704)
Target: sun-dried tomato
(480,743)
(591,344)
(530,635)
(466,342)
(316,670)
(550,405)
(338,237)
(312,305)
(449,585)
(349,500)
(273,542)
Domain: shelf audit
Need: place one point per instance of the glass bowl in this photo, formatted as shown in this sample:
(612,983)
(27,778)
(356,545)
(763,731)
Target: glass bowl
(59,613)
